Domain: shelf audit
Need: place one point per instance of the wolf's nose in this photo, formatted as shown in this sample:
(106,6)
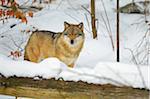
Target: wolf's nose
(72,41)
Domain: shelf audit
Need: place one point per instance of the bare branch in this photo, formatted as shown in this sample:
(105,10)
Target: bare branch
(86,9)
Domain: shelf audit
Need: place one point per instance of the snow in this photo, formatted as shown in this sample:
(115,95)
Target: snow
(6,97)
(103,73)
(96,63)
(50,68)
(12,97)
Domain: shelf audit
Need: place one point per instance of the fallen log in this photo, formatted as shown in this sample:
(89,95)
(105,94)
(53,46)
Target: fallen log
(58,89)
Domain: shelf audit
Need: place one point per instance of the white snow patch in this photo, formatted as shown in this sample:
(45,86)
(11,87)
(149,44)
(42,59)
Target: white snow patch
(103,73)
(48,68)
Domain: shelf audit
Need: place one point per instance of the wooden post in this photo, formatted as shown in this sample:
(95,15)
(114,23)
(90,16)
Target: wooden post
(145,10)
(93,19)
(118,26)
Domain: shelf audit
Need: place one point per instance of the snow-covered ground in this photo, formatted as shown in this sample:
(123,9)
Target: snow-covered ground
(6,97)
(12,97)
(96,63)
(103,73)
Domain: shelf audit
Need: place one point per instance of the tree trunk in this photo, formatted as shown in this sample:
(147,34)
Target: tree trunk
(118,45)
(94,31)
(145,11)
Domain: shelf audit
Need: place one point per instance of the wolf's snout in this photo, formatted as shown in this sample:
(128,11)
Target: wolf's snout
(72,41)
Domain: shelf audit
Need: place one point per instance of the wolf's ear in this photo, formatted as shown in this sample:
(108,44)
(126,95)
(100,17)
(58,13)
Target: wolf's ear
(81,26)
(66,24)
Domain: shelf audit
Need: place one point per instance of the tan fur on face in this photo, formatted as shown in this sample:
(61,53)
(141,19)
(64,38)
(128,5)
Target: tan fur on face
(66,45)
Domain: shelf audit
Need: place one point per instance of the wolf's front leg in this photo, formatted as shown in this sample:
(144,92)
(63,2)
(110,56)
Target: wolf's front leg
(71,65)
(33,55)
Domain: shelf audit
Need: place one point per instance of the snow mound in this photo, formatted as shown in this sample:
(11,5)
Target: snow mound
(103,73)
(48,68)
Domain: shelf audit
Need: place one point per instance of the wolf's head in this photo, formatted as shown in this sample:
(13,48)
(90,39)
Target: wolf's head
(73,33)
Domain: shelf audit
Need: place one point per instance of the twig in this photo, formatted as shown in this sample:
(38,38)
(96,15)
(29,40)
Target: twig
(119,76)
(133,56)
(86,9)
(71,5)
(144,43)
(72,17)
(138,68)
(110,36)
(140,73)
(9,47)
(109,27)
(106,16)
(59,4)
(86,17)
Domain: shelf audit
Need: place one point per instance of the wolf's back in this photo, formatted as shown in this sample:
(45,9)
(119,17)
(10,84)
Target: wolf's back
(40,43)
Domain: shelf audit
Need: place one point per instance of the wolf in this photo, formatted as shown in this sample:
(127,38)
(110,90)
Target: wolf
(66,45)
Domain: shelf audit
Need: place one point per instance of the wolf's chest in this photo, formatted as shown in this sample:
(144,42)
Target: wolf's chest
(68,60)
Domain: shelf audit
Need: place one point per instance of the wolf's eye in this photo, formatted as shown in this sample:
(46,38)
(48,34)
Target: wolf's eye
(80,33)
(65,33)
